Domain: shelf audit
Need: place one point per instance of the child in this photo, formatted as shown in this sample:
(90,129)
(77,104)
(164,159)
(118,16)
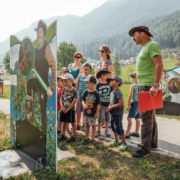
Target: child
(133,108)
(104,90)
(81,86)
(68,101)
(116,110)
(60,86)
(64,71)
(91,105)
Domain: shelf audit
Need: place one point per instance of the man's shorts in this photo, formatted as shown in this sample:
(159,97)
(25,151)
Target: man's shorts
(116,124)
(103,115)
(90,120)
(79,106)
(68,117)
(133,111)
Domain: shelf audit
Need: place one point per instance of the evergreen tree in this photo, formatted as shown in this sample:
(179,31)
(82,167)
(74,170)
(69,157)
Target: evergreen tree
(117,65)
(6,62)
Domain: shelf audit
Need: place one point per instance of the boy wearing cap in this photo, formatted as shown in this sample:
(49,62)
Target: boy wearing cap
(91,105)
(68,101)
(133,108)
(81,86)
(60,86)
(104,90)
(116,108)
(64,71)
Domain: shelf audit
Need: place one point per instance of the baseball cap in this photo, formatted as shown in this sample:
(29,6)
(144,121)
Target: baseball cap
(65,69)
(133,74)
(68,76)
(59,77)
(90,78)
(87,64)
(118,79)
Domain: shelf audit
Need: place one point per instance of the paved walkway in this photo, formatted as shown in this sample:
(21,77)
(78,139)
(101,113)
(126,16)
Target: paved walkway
(169,130)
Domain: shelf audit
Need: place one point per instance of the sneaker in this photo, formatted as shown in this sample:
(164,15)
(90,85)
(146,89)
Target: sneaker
(114,144)
(134,134)
(107,134)
(98,133)
(71,139)
(83,128)
(93,141)
(123,147)
(140,153)
(62,138)
(78,127)
(85,141)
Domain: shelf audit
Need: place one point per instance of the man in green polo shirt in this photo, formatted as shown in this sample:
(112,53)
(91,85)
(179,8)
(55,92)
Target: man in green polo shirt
(149,68)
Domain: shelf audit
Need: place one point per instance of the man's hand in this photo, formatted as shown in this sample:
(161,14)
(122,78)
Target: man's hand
(49,93)
(153,91)
(108,109)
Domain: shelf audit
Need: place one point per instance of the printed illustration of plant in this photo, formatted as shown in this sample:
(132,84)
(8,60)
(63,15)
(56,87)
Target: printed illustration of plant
(12,131)
(51,139)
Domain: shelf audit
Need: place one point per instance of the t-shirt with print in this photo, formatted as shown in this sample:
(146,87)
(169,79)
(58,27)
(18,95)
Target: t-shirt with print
(68,96)
(115,95)
(92,99)
(104,92)
(145,68)
(106,64)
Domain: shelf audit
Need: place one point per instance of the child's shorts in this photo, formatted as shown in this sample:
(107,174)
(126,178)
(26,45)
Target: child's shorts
(116,124)
(103,115)
(69,117)
(79,106)
(133,111)
(90,120)
(58,114)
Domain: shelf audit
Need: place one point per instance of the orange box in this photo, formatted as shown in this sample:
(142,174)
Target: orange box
(146,102)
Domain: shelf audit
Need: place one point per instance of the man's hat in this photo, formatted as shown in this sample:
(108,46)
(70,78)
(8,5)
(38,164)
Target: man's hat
(133,74)
(90,78)
(68,76)
(118,79)
(102,71)
(140,28)
(42,25)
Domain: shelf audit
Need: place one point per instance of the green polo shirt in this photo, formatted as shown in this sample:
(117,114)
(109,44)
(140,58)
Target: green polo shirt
(145,68)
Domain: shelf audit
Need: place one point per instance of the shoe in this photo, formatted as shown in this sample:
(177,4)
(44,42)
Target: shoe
(98,133)
(78,128)
(68,130)
(71,139)
(85,141)
(107,134)
(62,138)
(93,141)
(126,137)
(140,153)
(114,144)
(154,148)
(134,134)
(123,147)
(83,128)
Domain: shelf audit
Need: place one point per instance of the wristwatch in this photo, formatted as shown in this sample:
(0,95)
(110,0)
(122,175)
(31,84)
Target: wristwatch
(156,85)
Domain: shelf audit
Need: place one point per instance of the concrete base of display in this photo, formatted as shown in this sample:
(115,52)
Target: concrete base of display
(14,162)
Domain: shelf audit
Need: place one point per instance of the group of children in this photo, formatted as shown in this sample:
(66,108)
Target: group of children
(98,101)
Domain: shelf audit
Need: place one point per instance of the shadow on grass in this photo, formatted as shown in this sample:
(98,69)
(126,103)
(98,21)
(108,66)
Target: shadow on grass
(101,162)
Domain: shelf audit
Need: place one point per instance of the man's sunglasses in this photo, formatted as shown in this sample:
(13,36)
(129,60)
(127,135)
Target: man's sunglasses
(77,57)
(102,51)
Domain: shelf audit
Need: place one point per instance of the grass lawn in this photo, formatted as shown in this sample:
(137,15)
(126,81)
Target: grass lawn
(98,162)
(6,92)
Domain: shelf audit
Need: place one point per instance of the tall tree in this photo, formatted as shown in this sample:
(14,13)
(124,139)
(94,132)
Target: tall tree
(65,54)
(117,65)
(6,62)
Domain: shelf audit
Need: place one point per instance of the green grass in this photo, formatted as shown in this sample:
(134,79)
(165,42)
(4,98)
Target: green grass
(6,92)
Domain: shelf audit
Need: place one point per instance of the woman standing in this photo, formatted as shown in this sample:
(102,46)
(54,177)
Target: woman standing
(105,54)
(75,68)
